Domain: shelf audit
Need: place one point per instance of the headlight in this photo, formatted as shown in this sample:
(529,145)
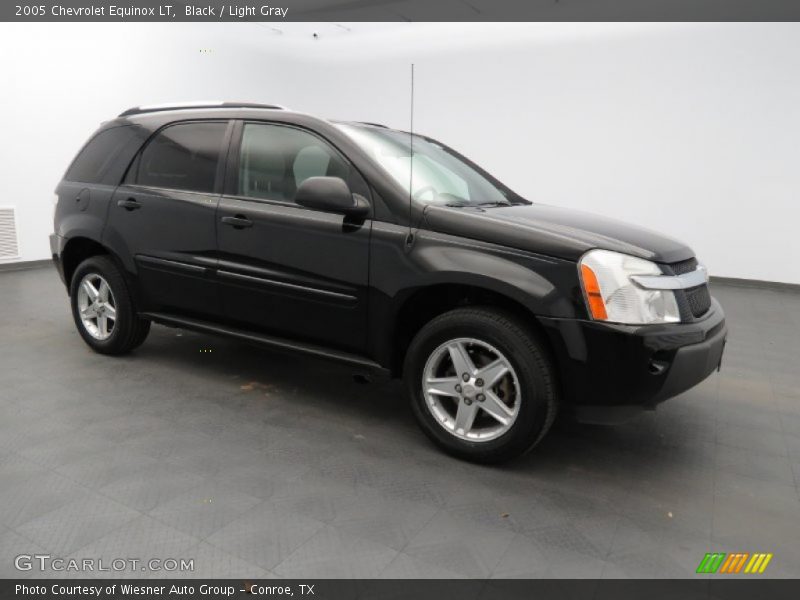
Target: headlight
(612,295)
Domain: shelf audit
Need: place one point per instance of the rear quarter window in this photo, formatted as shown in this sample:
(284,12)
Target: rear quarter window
(98,158)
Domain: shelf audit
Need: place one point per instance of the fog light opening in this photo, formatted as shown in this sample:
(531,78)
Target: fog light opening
(657,367)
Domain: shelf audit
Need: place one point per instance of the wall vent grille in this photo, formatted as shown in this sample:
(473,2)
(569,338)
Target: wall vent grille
(8,234)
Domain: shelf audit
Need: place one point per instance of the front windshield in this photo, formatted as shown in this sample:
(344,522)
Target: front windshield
(440,176)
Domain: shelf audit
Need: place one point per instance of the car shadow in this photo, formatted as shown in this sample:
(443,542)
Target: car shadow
(653,441)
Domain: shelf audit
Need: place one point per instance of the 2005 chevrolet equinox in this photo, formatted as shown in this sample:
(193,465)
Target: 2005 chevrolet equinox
(359,243)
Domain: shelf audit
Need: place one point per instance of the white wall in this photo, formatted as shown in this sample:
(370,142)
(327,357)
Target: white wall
(692,130)
(60,81)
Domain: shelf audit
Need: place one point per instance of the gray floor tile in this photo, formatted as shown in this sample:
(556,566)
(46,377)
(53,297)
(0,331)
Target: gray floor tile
(265,535)
(333,553)
(12,545)
(143,539)
(204,509)
(404,566)
(114,463)
(385,521)
(211,562)
(147,489)
(55,452)
(37,496)
(16,469)
(320,500)
(522,559)
(76,524)
(447,542)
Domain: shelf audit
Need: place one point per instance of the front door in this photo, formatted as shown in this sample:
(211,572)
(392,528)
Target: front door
(162,218)
(291,271)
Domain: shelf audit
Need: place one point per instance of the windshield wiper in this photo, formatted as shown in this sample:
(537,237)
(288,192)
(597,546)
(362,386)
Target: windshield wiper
(498,203)
(476,205)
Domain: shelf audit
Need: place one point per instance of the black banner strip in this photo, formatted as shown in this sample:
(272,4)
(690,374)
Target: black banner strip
(710,587)
(399,10)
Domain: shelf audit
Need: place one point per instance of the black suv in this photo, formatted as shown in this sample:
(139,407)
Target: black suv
(364,244)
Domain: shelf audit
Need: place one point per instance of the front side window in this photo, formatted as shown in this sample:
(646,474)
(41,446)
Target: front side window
(440,175)
(274,160)
(183,157)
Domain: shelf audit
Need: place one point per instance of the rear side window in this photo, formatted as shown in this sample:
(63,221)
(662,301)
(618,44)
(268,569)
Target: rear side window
(182,157)
(98,156)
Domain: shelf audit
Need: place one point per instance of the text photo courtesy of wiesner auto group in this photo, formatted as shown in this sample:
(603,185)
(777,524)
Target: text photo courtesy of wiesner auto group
(398,299)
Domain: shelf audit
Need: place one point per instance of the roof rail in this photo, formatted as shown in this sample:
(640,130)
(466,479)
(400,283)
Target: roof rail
(189,105)
(373,124)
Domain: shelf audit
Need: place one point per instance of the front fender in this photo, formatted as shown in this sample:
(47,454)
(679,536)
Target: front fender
(545,286)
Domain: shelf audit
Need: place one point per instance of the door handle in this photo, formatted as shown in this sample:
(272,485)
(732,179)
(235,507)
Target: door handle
(129,204)
(237,222)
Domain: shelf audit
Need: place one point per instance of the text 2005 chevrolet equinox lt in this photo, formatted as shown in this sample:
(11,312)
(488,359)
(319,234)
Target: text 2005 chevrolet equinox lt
(288,230)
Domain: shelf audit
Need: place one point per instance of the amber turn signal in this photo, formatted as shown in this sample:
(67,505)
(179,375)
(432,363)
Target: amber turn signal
(593,296)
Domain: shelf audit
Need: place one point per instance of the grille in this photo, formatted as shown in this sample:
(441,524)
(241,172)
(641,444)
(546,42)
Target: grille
(699,300)
(693,302)
(685,266)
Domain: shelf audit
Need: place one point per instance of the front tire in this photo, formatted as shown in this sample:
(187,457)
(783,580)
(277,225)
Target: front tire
(103,309)
(481,384)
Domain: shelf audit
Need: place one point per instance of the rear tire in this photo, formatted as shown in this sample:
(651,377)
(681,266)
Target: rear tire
(103,309)
(481,384)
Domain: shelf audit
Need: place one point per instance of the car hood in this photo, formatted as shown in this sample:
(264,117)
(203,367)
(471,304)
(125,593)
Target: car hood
(554,231)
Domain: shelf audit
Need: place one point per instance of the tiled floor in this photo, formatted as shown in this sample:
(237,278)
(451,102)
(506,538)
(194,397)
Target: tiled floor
(256,464)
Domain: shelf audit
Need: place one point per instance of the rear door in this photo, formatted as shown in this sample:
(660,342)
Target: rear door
(162,219)
(283,268)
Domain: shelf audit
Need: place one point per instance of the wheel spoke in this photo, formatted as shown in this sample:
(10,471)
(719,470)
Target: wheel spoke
(90,290)
(110,311)
(442,386)
(103,291)
(461,360)
(496,408)
(102,325)
(492,372)
(89,312)
(465,416)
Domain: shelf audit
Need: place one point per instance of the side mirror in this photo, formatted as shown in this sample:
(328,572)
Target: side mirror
(331,194)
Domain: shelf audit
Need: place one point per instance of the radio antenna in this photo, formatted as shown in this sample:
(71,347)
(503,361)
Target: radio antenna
(410,237)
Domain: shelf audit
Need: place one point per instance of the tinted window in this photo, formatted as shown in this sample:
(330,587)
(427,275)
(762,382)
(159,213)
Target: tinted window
(274,160)
(182,157)
(98,155)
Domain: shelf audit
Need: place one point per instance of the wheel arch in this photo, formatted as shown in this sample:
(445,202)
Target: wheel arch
(77,250)
(423,304)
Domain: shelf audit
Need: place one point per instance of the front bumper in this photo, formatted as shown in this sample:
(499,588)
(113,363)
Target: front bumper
(611,372)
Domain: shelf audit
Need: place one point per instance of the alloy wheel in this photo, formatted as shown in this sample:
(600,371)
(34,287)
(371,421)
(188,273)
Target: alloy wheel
(471,389)
(96,306)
